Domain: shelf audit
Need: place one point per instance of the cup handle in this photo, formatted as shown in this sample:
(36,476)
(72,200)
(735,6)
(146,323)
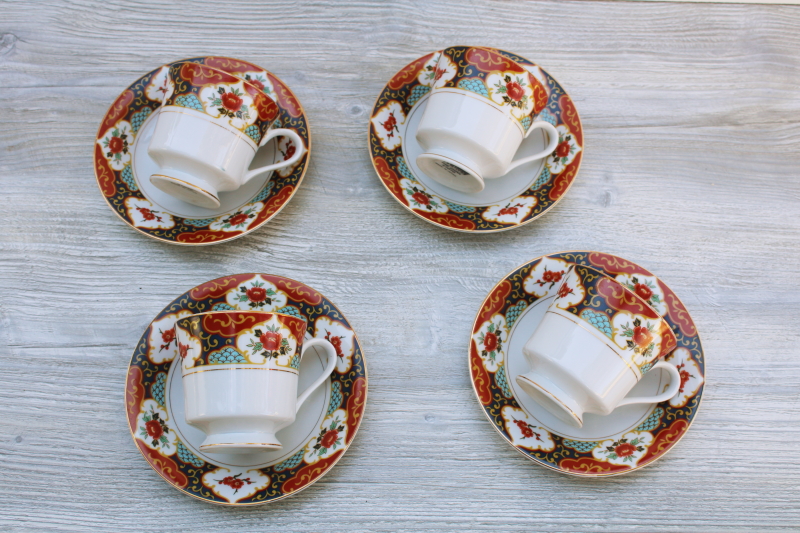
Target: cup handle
(331,351)
(552,133)
(301,149)
(674,385)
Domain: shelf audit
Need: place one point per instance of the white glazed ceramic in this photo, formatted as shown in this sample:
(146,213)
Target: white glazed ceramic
(208,131)
(593,345)
(471,130)
(240,375)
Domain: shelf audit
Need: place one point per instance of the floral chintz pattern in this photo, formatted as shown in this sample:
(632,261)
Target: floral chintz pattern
(330,437)
(270,343)
(167,337)
(491,342)
(512,91)
(256,296)
(235,482)
(640,337)
(622,449)
(230,102)
(155,429)
(116,146)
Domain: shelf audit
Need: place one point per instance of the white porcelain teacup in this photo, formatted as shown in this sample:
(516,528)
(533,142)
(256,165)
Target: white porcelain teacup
(240,371)
(595,342)
(481,106)
(209,128)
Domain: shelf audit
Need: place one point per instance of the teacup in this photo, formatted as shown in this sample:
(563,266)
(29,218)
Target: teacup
(596,341)
(208,131)
(481,106)
(240,372)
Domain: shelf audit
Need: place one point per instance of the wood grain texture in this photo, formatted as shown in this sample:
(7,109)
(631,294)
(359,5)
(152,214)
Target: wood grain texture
(691,169)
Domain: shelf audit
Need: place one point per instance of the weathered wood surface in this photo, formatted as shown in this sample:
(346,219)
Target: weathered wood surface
(691,116)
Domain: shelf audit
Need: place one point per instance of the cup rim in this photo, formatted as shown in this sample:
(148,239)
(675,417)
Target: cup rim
(215,69)
(231,311)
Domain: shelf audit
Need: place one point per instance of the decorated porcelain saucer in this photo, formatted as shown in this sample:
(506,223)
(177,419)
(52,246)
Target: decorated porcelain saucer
(122,164)
(325,424)
(631,437)
(513,200)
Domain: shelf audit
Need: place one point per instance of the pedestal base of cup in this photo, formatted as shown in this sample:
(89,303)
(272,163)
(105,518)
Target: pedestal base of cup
(550,396)
(188,188)
(240,443)
(456,174)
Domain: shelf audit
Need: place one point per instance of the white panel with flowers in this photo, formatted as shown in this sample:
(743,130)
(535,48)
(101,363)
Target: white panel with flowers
(545,277)
(235,485)
(342,339)
(512,91)
(524,433)
(159,86)
(512,212)
(256,294)
(490,341)
(287,149)
(163,339)
(331,437)
(570,292)
(445,71)
(190,349)
(116,145)
(230,103)
(625,450)
(420,199)
(260,79)
(427,74)
(691,377)
(387,122)
(238,220)
(565,151)
(144,215)
(647,288)
(641,331)
(152,428)
(269,340)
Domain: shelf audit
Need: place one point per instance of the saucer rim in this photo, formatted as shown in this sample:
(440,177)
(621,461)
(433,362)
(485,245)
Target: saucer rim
(247,231)
(547,465)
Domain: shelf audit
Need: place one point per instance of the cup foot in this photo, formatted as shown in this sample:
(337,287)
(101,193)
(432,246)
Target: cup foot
(187,188)
(552,398)
(450,172)
(238,443)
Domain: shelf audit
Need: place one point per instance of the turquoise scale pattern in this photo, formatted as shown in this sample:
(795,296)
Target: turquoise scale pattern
(547,116)
(290,310)
(457,208)
(295,362)
(474,85)
(138,119)
(514,311)
(652,421)
(127,177)
(502,382)
(226,355)
(158,387)
(582,446)
(223,307)
(185,455)
(598,320)
(336,397)
(190,101)
(291,462)
(404,170)
(260,197)
(252,132)
(542,180)
(416,93)
(646,368)
(526,123)
(198,222)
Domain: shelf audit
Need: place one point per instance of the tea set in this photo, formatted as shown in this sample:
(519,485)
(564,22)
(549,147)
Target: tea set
(566,353)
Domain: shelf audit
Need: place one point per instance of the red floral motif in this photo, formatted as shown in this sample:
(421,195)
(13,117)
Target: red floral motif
(439,73)
(167,337)
(510,209)
(183,350)
(390,125)
(643,291)
(489,341)
(234,482)
(421,198)
(625,449)
(526,430)
(235,220)
(147,214)
(115,145)
(564,290)
(685,376)
(551,276)
(514,91)
(642,336)
(271,340)
(154,429)
(336,342)
(256,294)
(256,82)
(562,150)
(290,150)
(329,438)
(231,102)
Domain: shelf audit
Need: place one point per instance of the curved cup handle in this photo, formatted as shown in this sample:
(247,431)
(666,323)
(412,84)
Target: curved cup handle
(331,351)
(674,385)
(301,149)
(552,134)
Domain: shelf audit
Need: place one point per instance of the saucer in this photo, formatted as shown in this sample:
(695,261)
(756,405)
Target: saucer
(325,424)
(631,437)
(519,197)
(123,166)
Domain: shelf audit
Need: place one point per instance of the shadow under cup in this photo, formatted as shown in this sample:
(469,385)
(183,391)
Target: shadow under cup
(240,374)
